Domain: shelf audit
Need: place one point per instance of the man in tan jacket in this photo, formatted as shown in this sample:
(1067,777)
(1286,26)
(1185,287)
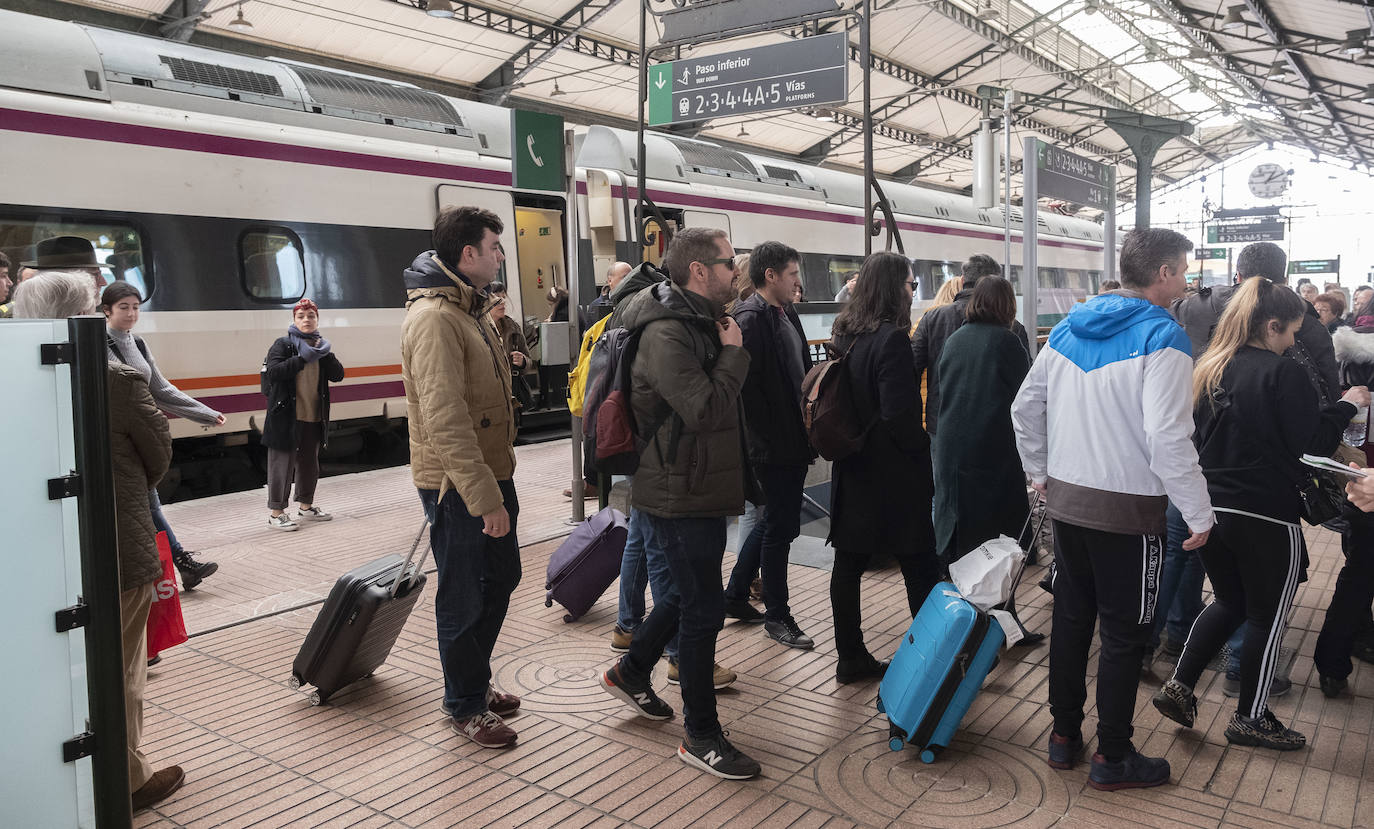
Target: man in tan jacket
(462,429)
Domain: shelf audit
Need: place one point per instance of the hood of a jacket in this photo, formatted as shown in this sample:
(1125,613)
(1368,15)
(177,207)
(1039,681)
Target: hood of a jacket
(668,301)
(427,276)
(637,280)
(1109,314)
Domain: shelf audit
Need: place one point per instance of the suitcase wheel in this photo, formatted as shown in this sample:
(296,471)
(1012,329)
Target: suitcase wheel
(316,698)
(896,743)
(881,709)
(295,682)
(548,603)
(367,675)
(931,753)
(568,619)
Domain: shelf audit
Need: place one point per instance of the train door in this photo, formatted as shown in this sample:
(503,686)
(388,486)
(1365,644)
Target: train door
(543,268)
(500,203)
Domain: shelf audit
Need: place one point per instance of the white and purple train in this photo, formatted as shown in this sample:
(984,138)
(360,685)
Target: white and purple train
(229,186)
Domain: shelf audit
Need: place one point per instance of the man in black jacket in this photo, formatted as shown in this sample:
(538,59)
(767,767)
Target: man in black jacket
(939,323)
(778,448)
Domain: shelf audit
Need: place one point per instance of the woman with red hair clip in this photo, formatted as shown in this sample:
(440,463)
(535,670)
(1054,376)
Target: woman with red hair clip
(295,378)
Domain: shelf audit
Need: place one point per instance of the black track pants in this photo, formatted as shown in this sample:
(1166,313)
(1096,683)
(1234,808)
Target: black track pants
(1112,579)
(1254,566)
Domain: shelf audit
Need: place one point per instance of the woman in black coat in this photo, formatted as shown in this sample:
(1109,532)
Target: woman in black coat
(882,493)
(980,490)
(296,377)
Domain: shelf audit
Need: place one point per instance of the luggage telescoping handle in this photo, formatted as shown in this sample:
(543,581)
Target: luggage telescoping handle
(405,567)
(1034,539)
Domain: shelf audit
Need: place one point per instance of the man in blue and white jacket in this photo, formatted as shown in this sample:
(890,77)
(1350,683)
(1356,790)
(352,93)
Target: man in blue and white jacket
(1103,425)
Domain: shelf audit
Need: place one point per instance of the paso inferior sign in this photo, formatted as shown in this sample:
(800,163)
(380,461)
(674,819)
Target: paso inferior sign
(1064,175)
(800,73)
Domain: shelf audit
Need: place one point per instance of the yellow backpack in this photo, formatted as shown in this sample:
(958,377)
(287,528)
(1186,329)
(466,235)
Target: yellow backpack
(577,378)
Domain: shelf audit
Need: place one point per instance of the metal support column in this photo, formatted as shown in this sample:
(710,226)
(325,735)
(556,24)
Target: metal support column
(1144,134)
(1030,271)
(865,26)
(572,249)
(95,508)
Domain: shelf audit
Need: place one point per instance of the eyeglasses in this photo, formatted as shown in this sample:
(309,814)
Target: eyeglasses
(724,260)
(911,283)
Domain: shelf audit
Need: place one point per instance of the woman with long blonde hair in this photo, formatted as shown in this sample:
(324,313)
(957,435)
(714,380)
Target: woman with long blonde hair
(1256,413)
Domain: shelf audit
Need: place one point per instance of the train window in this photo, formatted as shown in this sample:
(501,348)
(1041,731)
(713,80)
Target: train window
(272,260)
(118,245)
(840,269)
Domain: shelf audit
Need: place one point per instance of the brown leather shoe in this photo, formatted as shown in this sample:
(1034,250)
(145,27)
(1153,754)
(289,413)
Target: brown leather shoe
(588,491)
(162,785)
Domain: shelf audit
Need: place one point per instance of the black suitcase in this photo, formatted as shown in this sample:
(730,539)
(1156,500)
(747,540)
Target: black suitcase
(359,623)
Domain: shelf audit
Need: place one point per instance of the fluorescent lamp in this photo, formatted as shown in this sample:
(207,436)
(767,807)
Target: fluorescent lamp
(1234,19)
(439,8)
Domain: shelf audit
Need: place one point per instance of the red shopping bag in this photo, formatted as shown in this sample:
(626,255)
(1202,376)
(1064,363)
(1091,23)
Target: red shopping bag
(166,627)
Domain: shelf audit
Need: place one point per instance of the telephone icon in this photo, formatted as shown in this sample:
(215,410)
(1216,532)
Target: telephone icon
(529,146)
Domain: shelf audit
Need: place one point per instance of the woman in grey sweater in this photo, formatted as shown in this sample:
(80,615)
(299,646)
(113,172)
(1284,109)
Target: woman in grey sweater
(120,303)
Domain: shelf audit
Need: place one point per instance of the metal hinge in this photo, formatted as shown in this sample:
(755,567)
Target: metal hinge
(71,618)
(82,745)
(56,354)
(68,486)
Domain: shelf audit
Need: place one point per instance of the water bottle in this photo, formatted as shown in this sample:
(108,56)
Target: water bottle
(1357,429)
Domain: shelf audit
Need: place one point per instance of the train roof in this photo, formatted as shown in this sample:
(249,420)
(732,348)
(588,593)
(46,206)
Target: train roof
(71,59)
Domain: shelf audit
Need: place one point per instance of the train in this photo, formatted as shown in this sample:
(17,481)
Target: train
(227,187)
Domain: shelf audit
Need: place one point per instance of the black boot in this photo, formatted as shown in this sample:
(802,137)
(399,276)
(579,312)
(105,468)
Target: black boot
(192,572)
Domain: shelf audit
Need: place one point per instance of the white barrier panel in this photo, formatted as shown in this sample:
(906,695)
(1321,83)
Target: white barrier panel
(43,703)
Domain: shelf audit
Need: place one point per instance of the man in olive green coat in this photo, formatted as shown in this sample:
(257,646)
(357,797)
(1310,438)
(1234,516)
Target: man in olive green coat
(685,386)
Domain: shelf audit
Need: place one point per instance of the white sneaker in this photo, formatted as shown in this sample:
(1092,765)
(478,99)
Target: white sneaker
(282,522)
(313,514)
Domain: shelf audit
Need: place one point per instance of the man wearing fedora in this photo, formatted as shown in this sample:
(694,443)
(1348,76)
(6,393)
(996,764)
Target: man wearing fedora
(68,253)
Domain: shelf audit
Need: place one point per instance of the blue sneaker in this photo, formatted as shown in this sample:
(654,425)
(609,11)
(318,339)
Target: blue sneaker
(1134,771)
(1065,751)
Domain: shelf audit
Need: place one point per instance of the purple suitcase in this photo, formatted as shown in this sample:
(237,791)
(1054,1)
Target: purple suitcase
(586,563)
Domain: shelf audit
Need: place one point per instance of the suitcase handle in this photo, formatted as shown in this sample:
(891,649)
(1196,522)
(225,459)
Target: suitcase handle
(405,567)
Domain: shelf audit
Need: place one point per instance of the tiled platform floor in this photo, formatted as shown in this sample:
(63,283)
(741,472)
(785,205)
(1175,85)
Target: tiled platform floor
(381,754)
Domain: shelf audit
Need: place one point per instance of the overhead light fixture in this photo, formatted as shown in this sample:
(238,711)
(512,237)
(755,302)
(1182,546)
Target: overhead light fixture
(1368,96)
(1354,42)
(1090,7)
(1111,82)
(1234,19)
(439,8)
(240,23)
(1278,72)
(988,12)
(826,115)
(743,133)
(556,91)
(949,179)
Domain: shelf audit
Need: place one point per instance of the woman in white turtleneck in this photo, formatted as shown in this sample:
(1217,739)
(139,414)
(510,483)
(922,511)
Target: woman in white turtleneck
(120,304)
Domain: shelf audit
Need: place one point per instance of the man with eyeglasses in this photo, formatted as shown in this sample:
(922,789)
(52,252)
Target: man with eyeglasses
(686,377)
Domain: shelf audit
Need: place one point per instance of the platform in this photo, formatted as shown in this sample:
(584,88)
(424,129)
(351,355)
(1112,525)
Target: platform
(381,754)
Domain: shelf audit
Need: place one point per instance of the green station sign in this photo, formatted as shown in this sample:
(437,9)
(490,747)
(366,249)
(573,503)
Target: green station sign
(1300,267)
(798,73)
(536,150)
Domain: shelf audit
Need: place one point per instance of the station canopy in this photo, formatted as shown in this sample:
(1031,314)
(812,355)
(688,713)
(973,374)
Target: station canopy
(1243,72)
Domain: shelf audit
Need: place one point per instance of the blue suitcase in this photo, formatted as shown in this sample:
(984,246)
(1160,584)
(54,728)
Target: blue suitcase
(937,671)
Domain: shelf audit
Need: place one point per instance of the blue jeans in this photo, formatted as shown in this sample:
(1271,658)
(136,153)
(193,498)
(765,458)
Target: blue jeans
(476,575)
(642,564)
(769,543)
(160,521)
(1180,584)
(693,549)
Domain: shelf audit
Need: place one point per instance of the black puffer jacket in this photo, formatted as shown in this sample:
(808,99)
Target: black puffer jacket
(772,411)
(685,392)
(929,340)
(283,364)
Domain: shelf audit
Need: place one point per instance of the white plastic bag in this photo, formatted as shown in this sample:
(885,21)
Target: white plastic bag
(985,574)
